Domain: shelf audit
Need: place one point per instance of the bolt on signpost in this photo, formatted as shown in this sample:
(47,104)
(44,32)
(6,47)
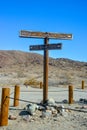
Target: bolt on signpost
(45,47)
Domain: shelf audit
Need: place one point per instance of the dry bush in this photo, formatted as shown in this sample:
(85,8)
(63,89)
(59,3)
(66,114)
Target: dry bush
(32,82)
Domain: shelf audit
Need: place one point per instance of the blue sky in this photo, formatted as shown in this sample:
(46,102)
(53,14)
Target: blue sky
(62,16)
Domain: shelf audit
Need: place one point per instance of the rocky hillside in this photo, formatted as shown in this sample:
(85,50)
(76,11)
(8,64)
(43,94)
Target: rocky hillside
(12,58)
(9,58)
(16,67)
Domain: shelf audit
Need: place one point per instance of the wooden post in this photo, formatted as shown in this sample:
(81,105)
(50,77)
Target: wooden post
(82,84)
(45,47)
(45,79)
(4,106)
(16,95)
(41,85)
(70,94)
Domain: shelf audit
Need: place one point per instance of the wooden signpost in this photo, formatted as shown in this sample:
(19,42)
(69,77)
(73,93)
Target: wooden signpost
(46,36)
(30,34)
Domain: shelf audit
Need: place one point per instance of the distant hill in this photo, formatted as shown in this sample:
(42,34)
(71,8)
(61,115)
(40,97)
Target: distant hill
(16,67)
(8,58)
(11,58)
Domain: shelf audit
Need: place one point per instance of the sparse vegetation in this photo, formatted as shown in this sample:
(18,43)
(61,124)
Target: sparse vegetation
(32,82)
(18,67)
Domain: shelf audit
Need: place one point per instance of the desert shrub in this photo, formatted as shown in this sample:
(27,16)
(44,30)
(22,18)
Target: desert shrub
(32,82)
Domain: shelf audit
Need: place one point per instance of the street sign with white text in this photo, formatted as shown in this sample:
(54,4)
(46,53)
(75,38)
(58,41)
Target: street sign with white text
(46,47)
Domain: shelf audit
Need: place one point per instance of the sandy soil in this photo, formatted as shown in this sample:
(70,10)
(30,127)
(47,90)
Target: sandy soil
(73,118)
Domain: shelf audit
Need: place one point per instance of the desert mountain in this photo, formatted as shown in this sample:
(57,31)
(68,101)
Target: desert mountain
(17,67)
(10,58)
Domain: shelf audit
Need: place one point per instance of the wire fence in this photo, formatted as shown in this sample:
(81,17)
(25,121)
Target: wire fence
(72,109)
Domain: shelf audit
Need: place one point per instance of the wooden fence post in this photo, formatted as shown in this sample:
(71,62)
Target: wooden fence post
(4,107)
(82,84)
(70,94)
(41,85)
(16,95)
